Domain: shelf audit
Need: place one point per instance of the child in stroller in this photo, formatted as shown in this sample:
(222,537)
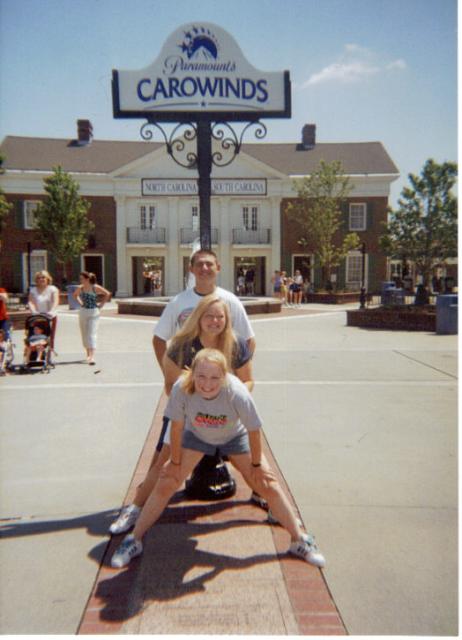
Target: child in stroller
(37,342)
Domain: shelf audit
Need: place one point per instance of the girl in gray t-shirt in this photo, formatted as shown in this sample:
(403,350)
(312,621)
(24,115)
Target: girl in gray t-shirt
(209,407)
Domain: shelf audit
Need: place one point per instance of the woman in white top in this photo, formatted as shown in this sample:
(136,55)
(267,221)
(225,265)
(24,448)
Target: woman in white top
(44,298)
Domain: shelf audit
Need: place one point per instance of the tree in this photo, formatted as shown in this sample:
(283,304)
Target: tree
(424,227)
(5,206)
(61,219)
(318,212)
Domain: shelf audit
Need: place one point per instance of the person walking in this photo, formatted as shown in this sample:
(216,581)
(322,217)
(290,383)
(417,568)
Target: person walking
(211,408)
(87,295)
(44,298)
(297,288)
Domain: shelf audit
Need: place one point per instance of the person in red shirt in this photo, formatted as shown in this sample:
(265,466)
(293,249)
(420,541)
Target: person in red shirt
(4,318)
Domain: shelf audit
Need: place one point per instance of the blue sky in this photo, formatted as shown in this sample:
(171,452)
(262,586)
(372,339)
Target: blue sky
(361,70)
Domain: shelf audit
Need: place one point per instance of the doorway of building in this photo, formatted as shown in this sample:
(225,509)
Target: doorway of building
(94,264)
(148,276)
(249,276)
(305,266)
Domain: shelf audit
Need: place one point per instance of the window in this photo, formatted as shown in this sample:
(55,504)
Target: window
(250,218)
(358,217)
(38,262)
(195,218)
(354,263)
(30,207)
(147,217)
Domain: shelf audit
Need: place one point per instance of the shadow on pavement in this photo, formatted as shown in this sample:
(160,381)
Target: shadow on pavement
(161,572)
(96,524)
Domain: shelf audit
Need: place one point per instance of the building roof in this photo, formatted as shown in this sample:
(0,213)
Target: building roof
(105,156)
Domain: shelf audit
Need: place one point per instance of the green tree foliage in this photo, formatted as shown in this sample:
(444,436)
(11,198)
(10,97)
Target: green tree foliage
(61,220)
(318,213)
(423,229)
(5,206)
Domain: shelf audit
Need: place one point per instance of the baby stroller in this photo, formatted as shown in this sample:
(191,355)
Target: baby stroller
(37,344)
(6,351)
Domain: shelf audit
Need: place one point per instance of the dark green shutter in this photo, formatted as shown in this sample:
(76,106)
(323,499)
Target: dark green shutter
(345,219)
(109,272)
(17,272)
(20,214)
(369,216)
(76,269)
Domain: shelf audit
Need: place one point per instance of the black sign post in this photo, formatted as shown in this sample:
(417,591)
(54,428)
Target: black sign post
(200,83)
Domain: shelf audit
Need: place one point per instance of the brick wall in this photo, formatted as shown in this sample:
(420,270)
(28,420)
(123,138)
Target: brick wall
(376,209)
(15,239)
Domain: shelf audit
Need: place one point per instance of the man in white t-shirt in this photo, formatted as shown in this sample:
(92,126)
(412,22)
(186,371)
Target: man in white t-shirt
(205,268)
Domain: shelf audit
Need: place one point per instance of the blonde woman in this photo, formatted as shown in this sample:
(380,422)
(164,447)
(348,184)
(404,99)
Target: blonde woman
(44,298)
(209,325)
(211,408)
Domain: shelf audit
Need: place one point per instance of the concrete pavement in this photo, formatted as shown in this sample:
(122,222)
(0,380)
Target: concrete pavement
(363,426)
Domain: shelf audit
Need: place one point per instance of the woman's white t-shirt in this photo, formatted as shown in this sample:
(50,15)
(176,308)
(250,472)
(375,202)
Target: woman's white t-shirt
(43,300)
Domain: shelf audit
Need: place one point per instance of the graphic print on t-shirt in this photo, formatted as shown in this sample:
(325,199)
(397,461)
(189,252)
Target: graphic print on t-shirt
(209,421)
(184,315)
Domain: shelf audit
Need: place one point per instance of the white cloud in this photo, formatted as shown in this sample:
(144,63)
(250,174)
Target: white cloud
(354,65)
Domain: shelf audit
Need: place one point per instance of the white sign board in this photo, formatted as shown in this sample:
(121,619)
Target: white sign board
(220,187)
(201,71)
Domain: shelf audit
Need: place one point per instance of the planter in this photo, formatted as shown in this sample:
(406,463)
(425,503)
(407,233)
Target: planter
(331,297)
(394,318)
(18,318)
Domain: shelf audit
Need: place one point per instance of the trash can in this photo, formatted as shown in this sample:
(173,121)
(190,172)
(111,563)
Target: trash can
(73,304)
(446,314)
(386,292)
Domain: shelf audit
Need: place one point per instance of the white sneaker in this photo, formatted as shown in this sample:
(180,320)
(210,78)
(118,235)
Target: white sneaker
(307,549)
(129,549)
(126,520)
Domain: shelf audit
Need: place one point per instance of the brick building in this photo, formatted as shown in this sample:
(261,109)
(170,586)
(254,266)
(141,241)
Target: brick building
(145,209)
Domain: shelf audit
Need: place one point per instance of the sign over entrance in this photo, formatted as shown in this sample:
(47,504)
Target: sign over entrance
(201,73)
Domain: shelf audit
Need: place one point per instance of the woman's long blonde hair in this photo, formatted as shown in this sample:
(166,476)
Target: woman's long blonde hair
(191,330)
(210,355)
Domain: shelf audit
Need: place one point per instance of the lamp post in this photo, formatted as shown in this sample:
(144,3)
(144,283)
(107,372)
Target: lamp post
(362,296)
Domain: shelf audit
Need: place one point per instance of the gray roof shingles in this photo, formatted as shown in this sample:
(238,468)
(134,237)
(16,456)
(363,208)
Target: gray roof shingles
(105,156)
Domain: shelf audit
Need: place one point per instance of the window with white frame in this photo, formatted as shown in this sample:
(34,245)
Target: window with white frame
(357,216)
(195,218)
(30,207)
(354,263)
(38,262)
(250,218)
(147,217)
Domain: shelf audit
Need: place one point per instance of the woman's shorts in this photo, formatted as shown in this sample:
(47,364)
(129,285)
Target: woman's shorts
(239,444)
(277,289)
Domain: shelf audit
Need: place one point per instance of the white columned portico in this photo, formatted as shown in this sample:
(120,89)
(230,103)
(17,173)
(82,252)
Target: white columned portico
(275,240)
(121,236)
(172,275)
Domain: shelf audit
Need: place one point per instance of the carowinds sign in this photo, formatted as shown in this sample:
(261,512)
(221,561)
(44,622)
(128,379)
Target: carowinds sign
(201,73)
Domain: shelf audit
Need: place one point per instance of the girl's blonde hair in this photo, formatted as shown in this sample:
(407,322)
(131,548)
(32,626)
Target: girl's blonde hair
(209,355)
(45,274)
(191,330)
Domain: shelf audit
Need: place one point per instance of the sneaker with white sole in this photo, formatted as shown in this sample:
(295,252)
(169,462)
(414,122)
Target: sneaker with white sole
(129,549)
(259,500)
(126,520)
(307,549)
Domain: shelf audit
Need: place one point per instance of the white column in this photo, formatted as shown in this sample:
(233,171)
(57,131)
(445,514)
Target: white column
(224,230)
(172,271)
(275,261)
(123,290)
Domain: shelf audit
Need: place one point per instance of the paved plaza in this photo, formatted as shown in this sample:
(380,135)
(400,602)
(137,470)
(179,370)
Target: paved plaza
(362,426)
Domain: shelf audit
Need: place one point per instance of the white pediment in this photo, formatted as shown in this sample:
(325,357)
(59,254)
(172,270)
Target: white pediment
(159,164)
